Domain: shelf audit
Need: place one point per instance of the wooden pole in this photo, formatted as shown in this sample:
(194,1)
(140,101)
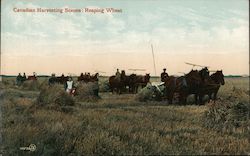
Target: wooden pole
(153,58)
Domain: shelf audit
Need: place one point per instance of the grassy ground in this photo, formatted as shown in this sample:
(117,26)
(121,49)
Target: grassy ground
(115,124)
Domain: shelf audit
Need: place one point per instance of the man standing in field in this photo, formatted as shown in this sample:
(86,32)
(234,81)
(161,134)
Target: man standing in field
(19,79)
(24,77)
(70,86)
(164,75)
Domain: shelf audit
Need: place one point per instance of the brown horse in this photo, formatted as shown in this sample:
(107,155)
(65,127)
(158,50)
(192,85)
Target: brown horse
(21,79)
(34,78)
(204,73)
(61,79)
(88,78)
(130,81)
(184,86)
(139,81)
(94,78)
(212,85)
(84,77)
(118,84)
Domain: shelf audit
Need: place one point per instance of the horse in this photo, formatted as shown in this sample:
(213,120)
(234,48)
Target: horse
(204,74)
(130,81)
(212,86)
(117,84)
(34,78)
(84,77)
(63,79)
(53,80)
(88,78)
(94,78)
(20,79)
(140,81)
(184,86)
(60,80)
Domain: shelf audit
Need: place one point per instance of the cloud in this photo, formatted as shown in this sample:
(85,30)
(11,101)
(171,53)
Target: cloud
(177,33)
(168,28)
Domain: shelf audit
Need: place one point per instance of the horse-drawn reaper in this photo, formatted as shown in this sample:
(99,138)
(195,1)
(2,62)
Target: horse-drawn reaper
(184,86)
(88,78)
(133,82)
(195,82)
(20,79)
(58,80)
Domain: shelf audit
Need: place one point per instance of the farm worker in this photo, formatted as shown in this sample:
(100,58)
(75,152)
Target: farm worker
(70,86)
(88,75)
(24,76)
(118,75)
(204,72)
(164,75)
(19,79)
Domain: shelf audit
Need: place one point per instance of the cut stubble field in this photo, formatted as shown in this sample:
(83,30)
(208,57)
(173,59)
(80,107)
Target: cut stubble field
(118,124)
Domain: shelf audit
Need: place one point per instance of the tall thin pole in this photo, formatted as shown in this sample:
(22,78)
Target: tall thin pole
(153,58)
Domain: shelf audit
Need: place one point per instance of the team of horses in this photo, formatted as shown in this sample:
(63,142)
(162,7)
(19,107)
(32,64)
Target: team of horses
(198,83)
(20,79)
(82,78)
(132,82)
(88,78)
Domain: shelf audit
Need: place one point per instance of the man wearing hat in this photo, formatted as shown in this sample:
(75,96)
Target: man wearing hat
(19,79)
(164,75)
(118,75)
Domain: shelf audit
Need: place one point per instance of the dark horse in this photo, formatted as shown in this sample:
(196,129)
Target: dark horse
(88,78)
(204,73)
(138,81)
(59,80)
(32,78)
(212,85)
(132,81)
(117,84)
(184,86)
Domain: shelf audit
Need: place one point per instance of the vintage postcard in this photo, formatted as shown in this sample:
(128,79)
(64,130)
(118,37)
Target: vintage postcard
(115,77)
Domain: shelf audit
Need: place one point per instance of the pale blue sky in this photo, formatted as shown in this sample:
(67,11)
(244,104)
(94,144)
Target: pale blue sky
(198,28)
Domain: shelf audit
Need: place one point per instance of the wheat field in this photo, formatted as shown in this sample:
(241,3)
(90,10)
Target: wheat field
(120,125)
